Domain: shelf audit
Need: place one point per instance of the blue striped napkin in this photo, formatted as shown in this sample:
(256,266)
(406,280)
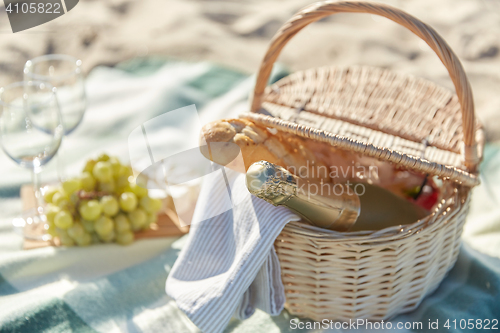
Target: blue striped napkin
(228,265)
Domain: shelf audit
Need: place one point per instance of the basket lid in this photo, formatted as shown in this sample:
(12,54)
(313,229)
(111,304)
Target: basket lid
(393,117)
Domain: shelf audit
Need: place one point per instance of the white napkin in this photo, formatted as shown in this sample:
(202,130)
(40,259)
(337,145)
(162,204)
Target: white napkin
(228,265)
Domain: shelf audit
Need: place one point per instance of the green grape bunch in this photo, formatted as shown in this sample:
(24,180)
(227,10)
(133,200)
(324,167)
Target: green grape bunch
(101,205)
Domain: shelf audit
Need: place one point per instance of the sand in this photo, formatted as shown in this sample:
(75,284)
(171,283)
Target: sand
(236,34)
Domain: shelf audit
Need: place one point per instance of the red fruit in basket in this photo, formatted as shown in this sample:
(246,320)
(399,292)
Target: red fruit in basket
(428,198)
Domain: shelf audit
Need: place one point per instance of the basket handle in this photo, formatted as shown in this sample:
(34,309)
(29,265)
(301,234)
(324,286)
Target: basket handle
(319,10)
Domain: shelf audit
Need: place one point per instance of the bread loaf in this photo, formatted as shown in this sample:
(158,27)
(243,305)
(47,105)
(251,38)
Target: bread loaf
(305,158)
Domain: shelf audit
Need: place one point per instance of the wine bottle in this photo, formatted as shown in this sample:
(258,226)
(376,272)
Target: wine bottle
(330,206)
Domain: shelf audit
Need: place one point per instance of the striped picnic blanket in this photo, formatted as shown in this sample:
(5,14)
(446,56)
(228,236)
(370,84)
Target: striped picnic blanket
(110,288)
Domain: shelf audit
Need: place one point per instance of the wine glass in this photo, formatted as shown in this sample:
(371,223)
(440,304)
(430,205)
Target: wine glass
(31,132)
(65,73)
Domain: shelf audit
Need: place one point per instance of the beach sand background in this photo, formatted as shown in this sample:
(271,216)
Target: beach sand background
(236,34)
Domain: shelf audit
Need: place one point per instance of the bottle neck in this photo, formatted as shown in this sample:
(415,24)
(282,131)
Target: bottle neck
(329,209)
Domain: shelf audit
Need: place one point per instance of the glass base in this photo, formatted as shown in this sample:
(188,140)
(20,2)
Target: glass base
(32,225)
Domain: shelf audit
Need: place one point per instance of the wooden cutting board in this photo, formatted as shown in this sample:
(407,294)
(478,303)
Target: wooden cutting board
(168,225)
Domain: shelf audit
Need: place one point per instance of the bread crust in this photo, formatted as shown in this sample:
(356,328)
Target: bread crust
(257,143)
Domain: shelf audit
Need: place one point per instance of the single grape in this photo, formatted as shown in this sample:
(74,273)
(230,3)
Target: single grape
(115,166)
(102,171)
(63,219)
(123,172)
(74,199)
(146,204)
(128,201)
(66,240)
(109,237)
(125,238)
(90,210)
(108,187)
(50,212)
(64,204)
(123,189)
(76,231)
(89,166)
(122,181)
(127,171)
(71,185)
(52,229)
(84,240)
(104,225)
(137,218)
(109,205)
(49,193)
(103,157)
(122,223)
(95,238)
(138,190)
(88,181)
(88,225)
(61,232)
(150,205)
(58,197)
(151,219)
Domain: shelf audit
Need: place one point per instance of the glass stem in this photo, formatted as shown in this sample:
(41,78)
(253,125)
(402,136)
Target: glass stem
(36,190)
(60,162)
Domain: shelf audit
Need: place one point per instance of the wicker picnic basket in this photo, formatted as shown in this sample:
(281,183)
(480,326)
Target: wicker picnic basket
(397,118)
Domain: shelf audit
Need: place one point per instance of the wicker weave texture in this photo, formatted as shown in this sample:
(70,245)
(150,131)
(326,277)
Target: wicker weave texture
(361,133)
(372,276)
(401,105)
